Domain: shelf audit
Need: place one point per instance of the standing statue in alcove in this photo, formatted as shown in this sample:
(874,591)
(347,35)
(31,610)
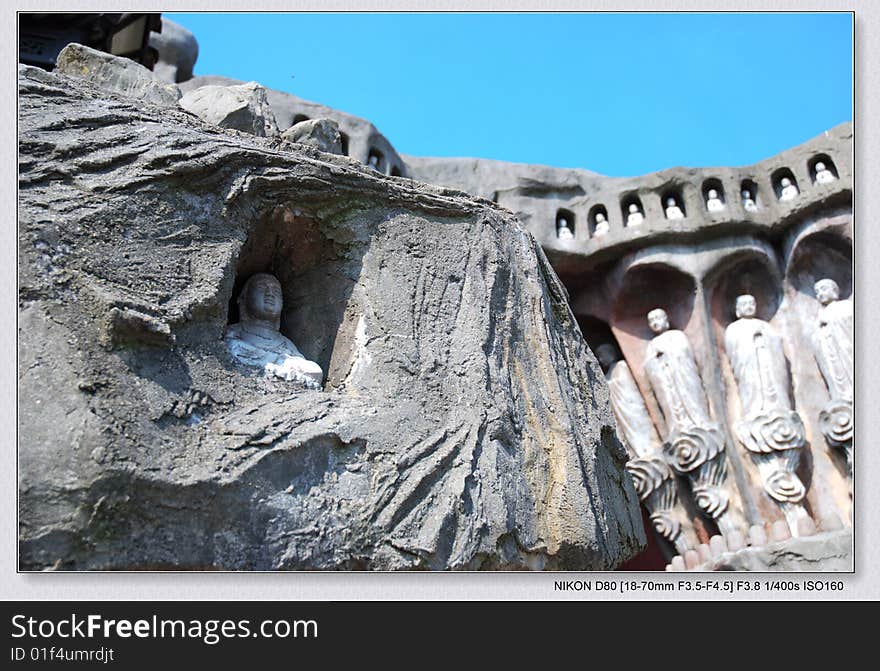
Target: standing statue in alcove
(602,226)
(713,201)
(653,479)
(563,232)
(749,203)
(635,216)
(257,341)
(673,211)
(787,189)
(694,444)
(823,174)
(833,348)
(770,429)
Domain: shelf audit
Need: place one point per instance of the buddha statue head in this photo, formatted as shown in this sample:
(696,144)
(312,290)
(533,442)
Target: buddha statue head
(658,320)
(746,306)
(261,300)
(606,353)
(827,291)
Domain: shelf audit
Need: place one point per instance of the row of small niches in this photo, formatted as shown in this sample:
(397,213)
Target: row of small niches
(821,169)
(375,158)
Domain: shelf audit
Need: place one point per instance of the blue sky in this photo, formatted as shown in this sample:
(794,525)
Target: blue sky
(619,94)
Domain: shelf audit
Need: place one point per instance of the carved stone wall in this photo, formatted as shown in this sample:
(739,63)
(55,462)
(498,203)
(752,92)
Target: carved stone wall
(785,467)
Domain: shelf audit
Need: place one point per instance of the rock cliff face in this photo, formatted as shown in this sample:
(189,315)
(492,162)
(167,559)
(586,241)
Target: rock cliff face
(463,423)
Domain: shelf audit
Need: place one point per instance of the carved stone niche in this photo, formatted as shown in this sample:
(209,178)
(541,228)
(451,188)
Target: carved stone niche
(316,287)
(744,296)
(821,248)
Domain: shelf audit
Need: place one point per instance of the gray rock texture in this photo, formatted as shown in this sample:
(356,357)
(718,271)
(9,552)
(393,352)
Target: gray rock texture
(827,551)
(359,136)
(322,134)
(463,424)
(116,74)
(178,52)
(242,107)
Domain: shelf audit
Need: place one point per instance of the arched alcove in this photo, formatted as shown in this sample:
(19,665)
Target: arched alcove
(825,159)
(376,159)
(745,271)
(298,118)
(778,176)
(591,217)
(755,271)
(674,193)
(596,332)
(750,186)
(818,253)
(628,200)
(395,171)
(650,286)
(316,283)
(343,138)
(565,219)
(713,184)
(824,254)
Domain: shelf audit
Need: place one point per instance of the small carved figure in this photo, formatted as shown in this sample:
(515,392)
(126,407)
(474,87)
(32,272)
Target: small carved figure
(770,429)
(652,477)
(713,202)
(833,348)
(749,203)
(563,232)
(694,444)
(673,211)
(788,191)
(635,216)
(602,227)
(823,174)
(256,340)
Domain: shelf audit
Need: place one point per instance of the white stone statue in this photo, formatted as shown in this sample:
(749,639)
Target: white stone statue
(833,348)
(635,216)
(823,174)
(748,201)
(788,191)
(256,340)
(713,202)
(673,211)
(694,444)
(770,429)
(602,227)
(653,479)
(373,161)
(563,232)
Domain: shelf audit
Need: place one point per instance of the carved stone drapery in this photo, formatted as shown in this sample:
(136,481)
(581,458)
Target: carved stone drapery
(770,429)
(833,347)
(694,444)
(654,481)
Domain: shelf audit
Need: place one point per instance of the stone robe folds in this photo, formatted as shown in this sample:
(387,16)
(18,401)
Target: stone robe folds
(693,445)
(770,429)
(636,428)
(672,371)
(758,362)
(833,346)
(651,475)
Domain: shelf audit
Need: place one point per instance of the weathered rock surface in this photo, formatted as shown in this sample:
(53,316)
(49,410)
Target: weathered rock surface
(827,551)
(178,52)
(322,134)
(360,137)
(463,424)
(243,107)
(116,74)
